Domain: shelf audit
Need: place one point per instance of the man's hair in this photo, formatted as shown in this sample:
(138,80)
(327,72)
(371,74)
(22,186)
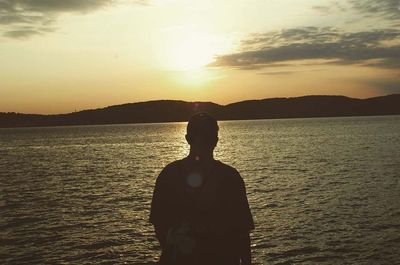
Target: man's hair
(202,123)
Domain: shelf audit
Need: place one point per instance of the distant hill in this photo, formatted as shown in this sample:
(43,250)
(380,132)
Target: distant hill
(174,110)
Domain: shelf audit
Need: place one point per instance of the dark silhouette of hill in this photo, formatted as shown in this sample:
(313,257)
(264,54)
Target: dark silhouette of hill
(174,110)
(142,112)
(312,106)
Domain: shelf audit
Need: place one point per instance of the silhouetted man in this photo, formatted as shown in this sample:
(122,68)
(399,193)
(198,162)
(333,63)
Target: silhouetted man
(199,209)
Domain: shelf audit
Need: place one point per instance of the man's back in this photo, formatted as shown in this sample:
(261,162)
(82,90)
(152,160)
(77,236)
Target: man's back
(210,197)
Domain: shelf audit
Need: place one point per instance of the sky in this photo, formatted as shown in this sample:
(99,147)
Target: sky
(70,55)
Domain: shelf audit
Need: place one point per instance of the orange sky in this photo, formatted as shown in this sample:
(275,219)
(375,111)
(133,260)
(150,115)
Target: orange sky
(62,56)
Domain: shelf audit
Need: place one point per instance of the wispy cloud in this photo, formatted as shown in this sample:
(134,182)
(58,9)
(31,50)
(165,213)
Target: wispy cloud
(377,48)
(22,33)
(386,9)
(334,6)
(41,15)
(389,9)
(290,72)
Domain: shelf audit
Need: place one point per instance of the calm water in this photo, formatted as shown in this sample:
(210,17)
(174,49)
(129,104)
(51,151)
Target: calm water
(322,191)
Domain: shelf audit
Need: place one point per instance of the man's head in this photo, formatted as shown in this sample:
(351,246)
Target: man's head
(202,132)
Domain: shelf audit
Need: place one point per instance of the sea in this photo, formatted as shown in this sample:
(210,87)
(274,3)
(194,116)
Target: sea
(321,190)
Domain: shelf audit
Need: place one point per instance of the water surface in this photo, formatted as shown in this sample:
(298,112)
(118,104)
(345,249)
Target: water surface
(323,191)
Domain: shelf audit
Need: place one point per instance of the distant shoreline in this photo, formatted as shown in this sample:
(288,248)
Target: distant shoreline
(168,122)
(165,111)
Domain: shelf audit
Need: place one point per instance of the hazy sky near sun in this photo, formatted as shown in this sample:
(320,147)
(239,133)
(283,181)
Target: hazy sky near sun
(65,55)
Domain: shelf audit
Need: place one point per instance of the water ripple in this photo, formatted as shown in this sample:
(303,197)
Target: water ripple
(322,191)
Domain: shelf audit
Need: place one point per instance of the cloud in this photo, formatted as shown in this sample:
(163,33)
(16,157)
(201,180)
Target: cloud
(10,19)
(332,7)
(42,14)
(386,9)
(376,48)
(279,73)
(389,9)
(322,9)
(22,34)
(290,72)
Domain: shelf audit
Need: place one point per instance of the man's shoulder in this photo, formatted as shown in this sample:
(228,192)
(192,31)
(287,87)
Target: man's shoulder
(170,172)
(230,173)
(174,165)
(227,168)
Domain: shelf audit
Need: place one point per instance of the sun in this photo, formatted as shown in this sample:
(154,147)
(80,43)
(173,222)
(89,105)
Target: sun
(190,50)
(192,53)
